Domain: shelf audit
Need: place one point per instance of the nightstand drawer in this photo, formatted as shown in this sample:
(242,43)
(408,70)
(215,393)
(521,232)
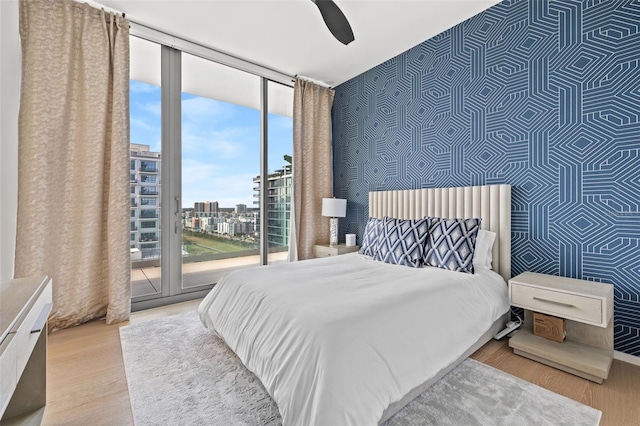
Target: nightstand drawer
(570,306)
(321,251)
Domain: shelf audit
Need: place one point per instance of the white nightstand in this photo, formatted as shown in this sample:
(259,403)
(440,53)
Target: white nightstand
(588,308)
(325,250)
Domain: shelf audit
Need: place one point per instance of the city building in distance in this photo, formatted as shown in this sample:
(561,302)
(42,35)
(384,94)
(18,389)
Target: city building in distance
(206,207)
(238,226)
(279,190)
(145,202)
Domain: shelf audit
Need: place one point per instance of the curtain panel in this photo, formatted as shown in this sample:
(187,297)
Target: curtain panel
(312,167)
(73,189)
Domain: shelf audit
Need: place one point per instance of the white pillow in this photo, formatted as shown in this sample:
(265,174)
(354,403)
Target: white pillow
(483,256)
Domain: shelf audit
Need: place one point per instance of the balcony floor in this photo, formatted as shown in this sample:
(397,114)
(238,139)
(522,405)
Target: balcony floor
(146,281)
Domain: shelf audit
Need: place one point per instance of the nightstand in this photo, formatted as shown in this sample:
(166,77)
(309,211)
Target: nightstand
(588,308)
(325,250)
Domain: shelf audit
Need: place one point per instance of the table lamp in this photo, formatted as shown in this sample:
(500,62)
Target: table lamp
(334,208)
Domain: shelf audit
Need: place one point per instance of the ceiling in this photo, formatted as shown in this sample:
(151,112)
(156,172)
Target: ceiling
(289,35)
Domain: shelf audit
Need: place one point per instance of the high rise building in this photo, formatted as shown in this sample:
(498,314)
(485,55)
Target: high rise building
(145,202)
(279,190)
(215,207)
(206,207)
(211,207)
(241,208)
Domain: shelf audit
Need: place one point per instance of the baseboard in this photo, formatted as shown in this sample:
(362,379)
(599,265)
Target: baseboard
(630,359)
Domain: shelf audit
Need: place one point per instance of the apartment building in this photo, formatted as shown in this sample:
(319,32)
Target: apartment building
(279,190)
(145,202)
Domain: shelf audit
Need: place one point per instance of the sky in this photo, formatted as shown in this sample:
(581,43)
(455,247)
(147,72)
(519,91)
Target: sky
(220,144)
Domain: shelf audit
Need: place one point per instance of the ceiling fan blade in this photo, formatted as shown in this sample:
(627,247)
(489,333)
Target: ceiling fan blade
(335,20)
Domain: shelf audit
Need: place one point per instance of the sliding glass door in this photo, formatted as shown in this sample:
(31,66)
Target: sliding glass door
(145,168)
(204,137)
(279,187)
(220,160)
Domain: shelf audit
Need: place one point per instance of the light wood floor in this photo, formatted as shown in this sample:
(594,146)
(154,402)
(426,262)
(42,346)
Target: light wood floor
(86,383)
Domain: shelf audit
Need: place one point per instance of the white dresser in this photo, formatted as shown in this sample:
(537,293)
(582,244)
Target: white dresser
(24,309)
(588,308)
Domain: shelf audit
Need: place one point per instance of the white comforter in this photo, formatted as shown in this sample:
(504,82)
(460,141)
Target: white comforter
(336,340)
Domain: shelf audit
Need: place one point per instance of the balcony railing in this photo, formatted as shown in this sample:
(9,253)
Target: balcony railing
(148,238)
(151,215)
(148,169)
(148,191)
(145,154)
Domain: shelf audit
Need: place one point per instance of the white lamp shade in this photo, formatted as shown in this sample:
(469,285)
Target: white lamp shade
(334,207)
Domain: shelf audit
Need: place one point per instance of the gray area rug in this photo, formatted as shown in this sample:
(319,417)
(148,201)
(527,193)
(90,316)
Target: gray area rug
(180,373)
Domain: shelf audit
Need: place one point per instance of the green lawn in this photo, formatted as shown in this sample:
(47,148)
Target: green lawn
(202,245)
(194,250)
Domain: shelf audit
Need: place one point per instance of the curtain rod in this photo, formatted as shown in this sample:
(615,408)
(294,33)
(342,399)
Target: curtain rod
(151,34)
(146,32)
(314,81)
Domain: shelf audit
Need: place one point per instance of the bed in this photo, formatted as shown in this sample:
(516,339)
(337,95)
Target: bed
(348,340)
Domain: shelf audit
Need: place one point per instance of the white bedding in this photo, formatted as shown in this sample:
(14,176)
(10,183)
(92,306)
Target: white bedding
(336,340)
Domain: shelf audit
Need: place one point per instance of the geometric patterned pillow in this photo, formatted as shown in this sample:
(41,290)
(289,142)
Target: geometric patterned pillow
(403,241)
(371,236)
(451,244)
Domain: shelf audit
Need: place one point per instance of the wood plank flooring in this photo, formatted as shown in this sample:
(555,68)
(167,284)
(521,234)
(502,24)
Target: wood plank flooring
(86,383)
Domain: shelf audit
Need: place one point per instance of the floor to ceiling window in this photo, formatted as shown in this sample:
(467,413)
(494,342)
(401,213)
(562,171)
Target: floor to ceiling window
(220,158)
(145,169)
(198,138)
(280,178)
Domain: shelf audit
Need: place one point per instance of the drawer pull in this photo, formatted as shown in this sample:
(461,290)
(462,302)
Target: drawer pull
(554,302)
(42,319)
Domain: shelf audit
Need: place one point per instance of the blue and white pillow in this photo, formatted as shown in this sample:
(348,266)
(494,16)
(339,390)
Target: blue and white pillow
(403,241)
(451,244)
(371,236)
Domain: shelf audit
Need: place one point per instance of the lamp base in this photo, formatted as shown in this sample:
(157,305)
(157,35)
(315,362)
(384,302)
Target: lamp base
(333,241)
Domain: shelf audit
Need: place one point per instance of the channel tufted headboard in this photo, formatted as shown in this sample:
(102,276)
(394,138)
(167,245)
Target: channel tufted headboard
(492,203)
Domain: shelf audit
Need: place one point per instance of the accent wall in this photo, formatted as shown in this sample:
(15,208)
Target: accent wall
(543,95)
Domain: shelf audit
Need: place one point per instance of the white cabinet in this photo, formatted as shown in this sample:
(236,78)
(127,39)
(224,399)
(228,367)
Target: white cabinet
(26,304)
(588,308)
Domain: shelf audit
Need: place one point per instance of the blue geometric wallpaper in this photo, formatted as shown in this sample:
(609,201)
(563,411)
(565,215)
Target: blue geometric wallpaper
(542,95)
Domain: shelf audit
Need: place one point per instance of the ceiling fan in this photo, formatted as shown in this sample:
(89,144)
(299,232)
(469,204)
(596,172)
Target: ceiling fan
(335,21)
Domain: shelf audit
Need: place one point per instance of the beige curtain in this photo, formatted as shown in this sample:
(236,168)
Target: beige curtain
(73,189)
(312,167)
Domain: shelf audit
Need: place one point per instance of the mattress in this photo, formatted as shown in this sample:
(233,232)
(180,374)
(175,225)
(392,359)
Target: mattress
(337,340)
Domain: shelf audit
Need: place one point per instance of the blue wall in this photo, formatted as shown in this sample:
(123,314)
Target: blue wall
(543,95)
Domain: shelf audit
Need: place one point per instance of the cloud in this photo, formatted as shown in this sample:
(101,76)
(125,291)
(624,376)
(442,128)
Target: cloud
(206,182)
(144,125)
(227,143)
(199,108)
(139,87)
(154,108)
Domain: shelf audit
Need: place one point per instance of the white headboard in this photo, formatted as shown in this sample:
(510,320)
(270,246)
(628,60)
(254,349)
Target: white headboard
(492,203)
